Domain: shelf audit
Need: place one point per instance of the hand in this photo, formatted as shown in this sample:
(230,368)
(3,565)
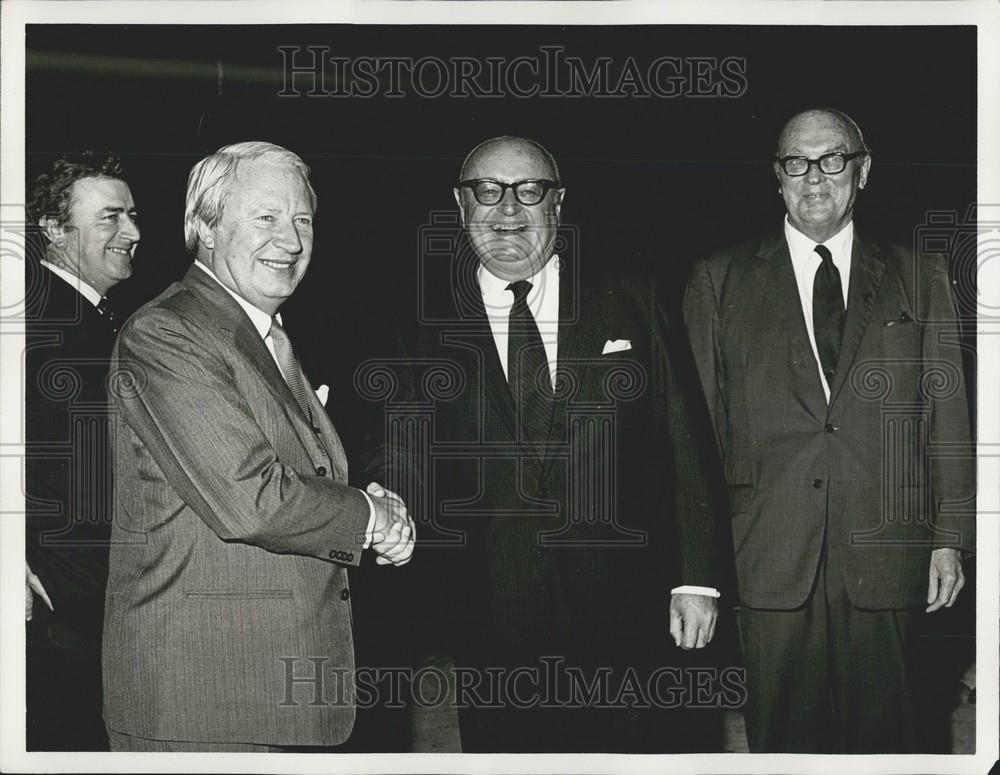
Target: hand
(946,579)
(33,586)
(692,620)
(394,533)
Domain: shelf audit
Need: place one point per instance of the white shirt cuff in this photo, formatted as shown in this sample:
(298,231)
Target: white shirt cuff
(370,530)
(688,589)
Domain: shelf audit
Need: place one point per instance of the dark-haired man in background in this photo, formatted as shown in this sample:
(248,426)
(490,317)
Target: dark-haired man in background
(88,219)
(831,367)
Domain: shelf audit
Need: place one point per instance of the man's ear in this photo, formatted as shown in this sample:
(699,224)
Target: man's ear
(560,195)
(865,166)
(55,232)
(206,235)
(457,192)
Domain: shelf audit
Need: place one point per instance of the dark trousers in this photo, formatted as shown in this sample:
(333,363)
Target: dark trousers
(63,687)
(828,677)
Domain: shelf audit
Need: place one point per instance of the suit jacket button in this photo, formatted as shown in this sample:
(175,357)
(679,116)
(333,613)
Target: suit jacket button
(345,594)
(817,483)
(320,470)
(830,428)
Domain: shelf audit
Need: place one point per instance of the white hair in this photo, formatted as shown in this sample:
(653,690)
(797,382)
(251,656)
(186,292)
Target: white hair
(210,181)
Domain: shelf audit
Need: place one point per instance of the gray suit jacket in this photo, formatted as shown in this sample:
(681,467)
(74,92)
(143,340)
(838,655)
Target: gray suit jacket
(885,471)
(229,513)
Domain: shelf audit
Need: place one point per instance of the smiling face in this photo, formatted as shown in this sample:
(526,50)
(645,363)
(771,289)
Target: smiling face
(820,205)
(98,242)
(260,248)
(513,241)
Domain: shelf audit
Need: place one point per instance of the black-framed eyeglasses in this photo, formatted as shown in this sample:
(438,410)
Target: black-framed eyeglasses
(528,192)
(828,163)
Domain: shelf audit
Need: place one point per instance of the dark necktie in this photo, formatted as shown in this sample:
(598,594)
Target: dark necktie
(106,311)
(828,312)
(528,368)
(289,366)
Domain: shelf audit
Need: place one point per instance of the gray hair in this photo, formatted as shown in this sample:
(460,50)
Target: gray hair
(849,125)
(211,179)
(512,140)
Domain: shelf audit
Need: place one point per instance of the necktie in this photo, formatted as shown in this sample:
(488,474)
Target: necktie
(828,312)
(528,368)
(106,311)
(289,366)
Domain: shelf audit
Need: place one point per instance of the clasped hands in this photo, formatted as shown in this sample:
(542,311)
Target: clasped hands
(393,532)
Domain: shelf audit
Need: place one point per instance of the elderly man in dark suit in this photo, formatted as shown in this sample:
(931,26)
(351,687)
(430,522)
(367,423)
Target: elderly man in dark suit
(228,622)
(833,374)
(88,219)
(568,493)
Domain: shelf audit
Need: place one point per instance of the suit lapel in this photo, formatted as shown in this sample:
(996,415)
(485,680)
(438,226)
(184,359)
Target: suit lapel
(866,277)
(224,312)
(579,324)
(775,279)
(470,307)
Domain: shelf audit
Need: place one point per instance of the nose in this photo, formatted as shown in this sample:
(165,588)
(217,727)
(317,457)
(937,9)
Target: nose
(287,238)
(509,204)
(129,229)
(814,174)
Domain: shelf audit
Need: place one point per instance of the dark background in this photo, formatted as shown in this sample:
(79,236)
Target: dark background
(652,183)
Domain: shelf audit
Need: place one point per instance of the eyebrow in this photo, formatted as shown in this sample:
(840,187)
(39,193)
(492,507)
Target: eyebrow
(109,209)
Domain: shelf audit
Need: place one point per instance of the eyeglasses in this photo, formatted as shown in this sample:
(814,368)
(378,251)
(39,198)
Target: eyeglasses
(527,192)
(828,163)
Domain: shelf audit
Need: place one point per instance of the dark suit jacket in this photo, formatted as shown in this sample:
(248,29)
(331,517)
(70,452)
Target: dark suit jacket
(68,477)
(885,469)
(228,510)
(574,545)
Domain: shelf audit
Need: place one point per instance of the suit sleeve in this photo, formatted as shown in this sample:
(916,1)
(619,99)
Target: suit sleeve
(952,456)
(701,318)
(183,405)
(696,470)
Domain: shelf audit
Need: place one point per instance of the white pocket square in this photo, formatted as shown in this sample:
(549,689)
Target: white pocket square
(616,346)
(322,393)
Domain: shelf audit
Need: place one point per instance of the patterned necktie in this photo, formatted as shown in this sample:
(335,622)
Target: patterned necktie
(106,311)
(828,312)
(528,368)
(289,366)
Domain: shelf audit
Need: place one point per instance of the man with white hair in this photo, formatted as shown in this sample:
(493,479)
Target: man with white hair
(228,621)
(831,367)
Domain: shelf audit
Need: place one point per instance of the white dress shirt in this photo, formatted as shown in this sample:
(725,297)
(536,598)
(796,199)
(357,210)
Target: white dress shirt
(543,301)
(262,322)
(805,262)
(87,291)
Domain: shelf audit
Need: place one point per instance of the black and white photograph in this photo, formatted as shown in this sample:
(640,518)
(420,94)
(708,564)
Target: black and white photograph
(410,386)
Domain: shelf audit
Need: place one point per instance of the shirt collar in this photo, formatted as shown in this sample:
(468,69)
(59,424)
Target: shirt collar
(801,246)
(87,291)
(260,319)
(494,289)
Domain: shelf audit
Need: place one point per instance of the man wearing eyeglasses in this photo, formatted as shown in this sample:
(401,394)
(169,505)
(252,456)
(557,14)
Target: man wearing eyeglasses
(564,463)
(833,374)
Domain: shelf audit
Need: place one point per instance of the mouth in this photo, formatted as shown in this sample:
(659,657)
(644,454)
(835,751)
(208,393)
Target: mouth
(121,251)
(508,228)
(277,266)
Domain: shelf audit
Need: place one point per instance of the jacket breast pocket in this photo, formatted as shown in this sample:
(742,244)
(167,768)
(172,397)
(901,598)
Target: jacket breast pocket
(902,335)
